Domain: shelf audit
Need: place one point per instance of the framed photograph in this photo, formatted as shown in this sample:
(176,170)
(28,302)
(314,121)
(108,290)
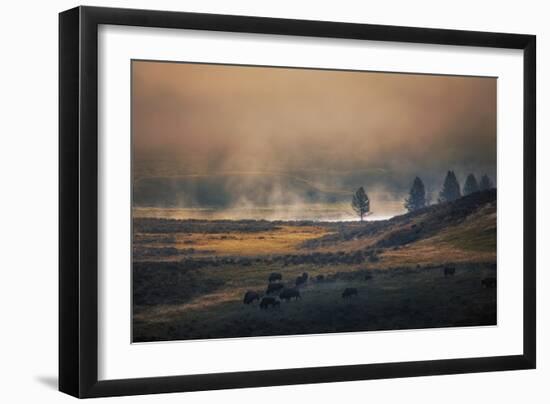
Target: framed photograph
(251,201)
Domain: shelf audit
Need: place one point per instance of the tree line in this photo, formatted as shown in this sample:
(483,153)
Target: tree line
(417,195)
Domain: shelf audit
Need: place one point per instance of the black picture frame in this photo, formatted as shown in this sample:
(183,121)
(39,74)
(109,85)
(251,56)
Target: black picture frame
(78,201)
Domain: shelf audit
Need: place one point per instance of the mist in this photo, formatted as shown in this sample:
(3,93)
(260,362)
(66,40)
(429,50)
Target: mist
(225,137)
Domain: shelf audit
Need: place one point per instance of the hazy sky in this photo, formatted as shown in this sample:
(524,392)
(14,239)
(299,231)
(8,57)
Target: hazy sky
(207,119)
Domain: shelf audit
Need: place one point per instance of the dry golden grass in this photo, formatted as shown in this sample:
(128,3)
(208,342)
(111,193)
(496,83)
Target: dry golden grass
(283,240)
(432,252)
(477,233)
(472,241)
(366,242)
(161,312)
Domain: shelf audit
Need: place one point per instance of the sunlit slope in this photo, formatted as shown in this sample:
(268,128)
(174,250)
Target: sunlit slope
(463,230)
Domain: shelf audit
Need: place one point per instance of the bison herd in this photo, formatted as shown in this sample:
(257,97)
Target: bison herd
(276,291)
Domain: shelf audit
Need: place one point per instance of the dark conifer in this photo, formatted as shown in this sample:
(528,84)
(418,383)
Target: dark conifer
(451,189)
(361,203)
(417,196)
(470,185)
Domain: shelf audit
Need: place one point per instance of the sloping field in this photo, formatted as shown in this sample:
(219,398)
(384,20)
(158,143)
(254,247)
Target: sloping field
(189,276)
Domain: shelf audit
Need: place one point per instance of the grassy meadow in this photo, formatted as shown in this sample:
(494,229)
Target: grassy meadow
(190,276)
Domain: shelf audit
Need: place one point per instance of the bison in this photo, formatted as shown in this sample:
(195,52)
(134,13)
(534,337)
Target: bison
(449,271)
(269,301)
(349,292)
(288,294)
(250,296)
(275,276)
(273,287)
(302,279)
(489,283)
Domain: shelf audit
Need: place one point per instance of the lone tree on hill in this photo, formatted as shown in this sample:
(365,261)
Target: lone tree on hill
(470,186)
(451,189)
(417,196)
(485,183)
(361,203)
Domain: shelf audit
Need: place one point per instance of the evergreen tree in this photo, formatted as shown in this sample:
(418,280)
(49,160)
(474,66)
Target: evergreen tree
(470,185)
(361,203)
(417,196)
(451,189)
(485,183)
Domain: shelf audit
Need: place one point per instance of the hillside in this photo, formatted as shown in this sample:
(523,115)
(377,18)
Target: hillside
(458,230)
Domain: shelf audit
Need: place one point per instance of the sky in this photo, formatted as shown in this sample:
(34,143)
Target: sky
(331,127)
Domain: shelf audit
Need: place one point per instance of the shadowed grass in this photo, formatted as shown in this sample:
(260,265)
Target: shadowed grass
(388,300)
